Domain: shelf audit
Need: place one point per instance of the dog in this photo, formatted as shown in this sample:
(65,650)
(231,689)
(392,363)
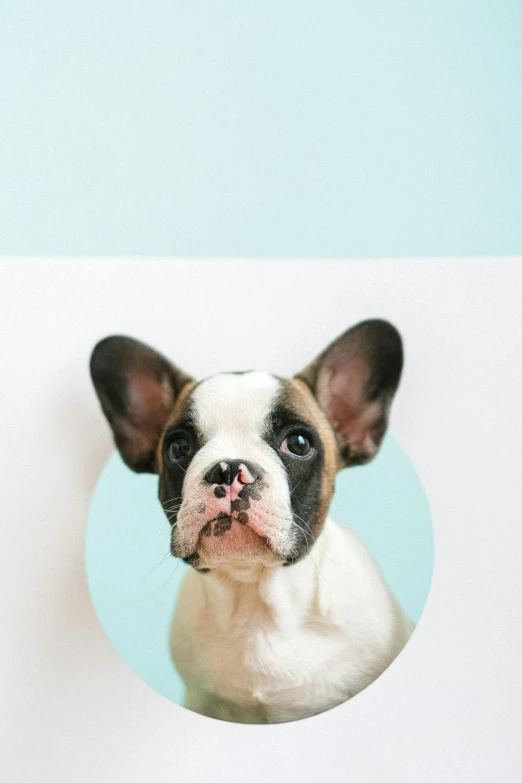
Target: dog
(283,614)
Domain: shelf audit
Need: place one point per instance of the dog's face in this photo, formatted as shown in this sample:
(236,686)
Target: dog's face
(247,461)
(247,465)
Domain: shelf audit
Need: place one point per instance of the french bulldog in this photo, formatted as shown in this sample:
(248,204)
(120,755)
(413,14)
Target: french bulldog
(283,614)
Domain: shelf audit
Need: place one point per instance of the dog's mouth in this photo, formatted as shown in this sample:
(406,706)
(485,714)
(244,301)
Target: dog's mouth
(230,536)
(222,523)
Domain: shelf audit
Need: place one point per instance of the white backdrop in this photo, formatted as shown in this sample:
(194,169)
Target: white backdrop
(449,708)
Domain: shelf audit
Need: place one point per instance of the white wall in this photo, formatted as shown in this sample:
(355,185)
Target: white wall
(449,707)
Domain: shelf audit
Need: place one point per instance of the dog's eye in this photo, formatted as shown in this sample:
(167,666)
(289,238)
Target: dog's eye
(297,444)
(179,448)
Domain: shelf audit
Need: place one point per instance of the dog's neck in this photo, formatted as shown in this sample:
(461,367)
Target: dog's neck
(242,572)
(284,595)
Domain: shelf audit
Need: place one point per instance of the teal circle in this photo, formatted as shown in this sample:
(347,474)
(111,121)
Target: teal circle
(134,581)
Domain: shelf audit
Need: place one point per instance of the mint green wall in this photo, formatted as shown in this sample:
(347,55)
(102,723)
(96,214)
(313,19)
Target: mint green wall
(325,128)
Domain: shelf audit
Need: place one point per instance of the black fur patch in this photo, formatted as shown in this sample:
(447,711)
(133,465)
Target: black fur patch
(173,473)
(304,475)
(224,523)
(193,561)
(240,503)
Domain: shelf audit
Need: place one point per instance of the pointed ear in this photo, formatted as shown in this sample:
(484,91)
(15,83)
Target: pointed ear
(354,381)
(137,388)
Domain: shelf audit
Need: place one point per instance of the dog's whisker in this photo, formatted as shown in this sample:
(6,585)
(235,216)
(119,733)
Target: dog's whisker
(294,489)
(170,500)
(306,534)
(170,577)
(331,560)
(163,559)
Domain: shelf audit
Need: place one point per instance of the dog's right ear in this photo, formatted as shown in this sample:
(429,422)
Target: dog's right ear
(137,388)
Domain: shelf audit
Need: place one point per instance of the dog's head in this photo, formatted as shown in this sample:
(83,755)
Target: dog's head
(247,461)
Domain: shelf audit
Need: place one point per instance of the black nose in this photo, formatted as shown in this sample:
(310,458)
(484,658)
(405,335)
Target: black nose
(225,471)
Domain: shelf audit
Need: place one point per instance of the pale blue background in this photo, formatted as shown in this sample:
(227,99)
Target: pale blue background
(134,581)
(281,127)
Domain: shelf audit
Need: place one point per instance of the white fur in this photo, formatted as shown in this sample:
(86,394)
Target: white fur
(289,642)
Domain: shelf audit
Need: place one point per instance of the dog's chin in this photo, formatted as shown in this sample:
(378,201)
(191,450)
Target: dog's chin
(240,543)
(233,546)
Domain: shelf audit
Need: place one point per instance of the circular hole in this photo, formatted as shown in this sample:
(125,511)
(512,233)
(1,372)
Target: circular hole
(134,581)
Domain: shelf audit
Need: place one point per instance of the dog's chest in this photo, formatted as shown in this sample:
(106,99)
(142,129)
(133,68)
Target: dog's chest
(276,651)
(257,663)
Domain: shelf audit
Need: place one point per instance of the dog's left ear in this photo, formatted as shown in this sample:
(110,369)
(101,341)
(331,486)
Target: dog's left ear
(354,381)
(137,388)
